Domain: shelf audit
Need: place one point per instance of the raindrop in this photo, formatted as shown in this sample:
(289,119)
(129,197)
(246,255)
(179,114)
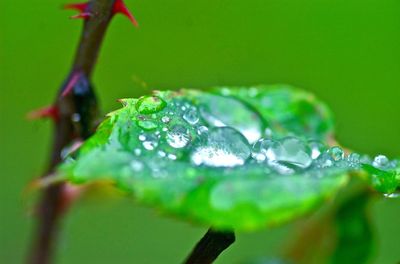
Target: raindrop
(219,111)
(201,130)
(354,160)
(142,137)
(381,162)
(324,161)
(336,153)
(165,119)
(151,142)
(225,147)
(191,116)
(172,156)
(178,136)
(289,152)
(150,104)
(317,147)
(161,153)
(259,149)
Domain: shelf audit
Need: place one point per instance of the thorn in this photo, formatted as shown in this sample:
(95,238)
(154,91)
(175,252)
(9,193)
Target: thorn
(120,7)
(45,112)
(77,6)
(84,15)
(71,83)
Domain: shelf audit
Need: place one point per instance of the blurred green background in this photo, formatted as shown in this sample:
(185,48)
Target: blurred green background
(345,51)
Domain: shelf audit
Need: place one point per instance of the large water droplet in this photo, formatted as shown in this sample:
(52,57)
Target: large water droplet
(225,147)
(178,136)
(150,104)
(191,116)
(220,111)
(289,153)
(381,162)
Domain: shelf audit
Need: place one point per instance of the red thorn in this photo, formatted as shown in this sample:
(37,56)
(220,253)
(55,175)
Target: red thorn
(77,6)
(84,15)
(120,7)
(45,112)
(71,83)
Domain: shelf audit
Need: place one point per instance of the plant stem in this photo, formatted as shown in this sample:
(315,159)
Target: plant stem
(77,114)
(210,247)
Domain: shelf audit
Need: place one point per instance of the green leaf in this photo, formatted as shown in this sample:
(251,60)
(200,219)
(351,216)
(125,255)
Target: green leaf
(199,155)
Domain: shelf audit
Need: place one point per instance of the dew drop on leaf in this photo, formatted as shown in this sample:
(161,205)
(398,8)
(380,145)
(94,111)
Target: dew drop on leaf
(178,136)
(191,116)
(381,162)
(223,111)
(150,142)
(354,160)
(336,153)
(317,147)
(289,152)
(225,147)
(150,105)
(165,119)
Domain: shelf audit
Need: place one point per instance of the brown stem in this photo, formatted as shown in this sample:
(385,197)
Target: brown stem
(77,113)
(210,247)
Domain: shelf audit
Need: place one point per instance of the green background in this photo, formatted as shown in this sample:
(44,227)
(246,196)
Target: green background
(345,51)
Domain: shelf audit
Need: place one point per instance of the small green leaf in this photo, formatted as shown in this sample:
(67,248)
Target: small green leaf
(235,158)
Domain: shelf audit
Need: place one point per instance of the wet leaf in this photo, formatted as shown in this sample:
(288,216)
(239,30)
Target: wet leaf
(226,159)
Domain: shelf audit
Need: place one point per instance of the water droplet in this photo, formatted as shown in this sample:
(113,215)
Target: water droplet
(178,136)
(150,104)
(161,153)
(354,160)
(324,161)
(336,153)
(142,137)
(380,162)
(137,151)
(225,147)
(259,149)
(219,111)
(201,130)
(136,165)
(151,142)
(172,156)
(146,124)
(191,116)
(289,152)
(165,119)
(317,147)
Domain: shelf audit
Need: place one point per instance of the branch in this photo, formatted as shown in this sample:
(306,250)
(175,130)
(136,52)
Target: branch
(210,247)
(76,113)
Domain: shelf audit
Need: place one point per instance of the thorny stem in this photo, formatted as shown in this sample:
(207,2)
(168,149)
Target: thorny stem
(210,247)
(77,111)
